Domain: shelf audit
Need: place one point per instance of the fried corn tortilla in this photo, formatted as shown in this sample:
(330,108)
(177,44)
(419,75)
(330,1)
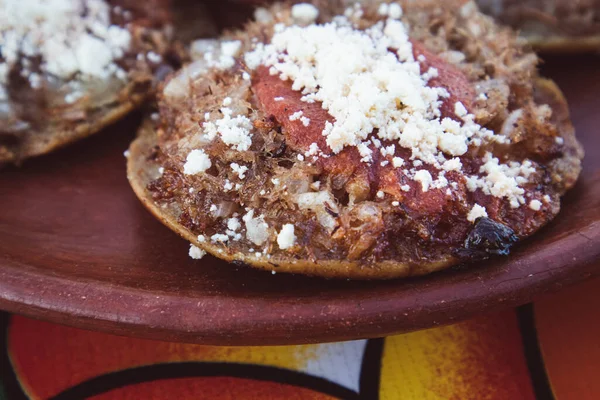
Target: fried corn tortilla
(366,142)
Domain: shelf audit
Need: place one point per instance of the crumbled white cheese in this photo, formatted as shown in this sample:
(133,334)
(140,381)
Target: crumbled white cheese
(257,230)
(246,76)
(197,161)
(234,132)
(196,253)
(313,150)
(154,57)
(228,185)
(395,203)
(227,101)
(460,110)
(440,182)
(502,180)
(535,205)
(424,177)
(383,9)
(393,10)
(453,164)
(374,82)
(380,195)
(286,237)
(397,162)
(365,152)
(476,212)
(219,237)
(559,140)
(304,13)
(385,151)
(201,238)
(296,116)
(367,97)
(278,99)
(354,13)
(233,224)
(71,37)
(229,49)
(405,188)
(240,170)
(374,92)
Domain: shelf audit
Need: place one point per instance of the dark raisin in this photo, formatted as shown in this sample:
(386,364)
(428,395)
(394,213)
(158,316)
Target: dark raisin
(488,237)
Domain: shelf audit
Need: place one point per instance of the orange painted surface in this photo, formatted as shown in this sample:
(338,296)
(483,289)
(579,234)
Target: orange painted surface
(211,389)
(568,325)
(74,355)
(477,359)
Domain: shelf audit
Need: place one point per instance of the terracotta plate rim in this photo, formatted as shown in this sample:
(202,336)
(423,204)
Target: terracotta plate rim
(191,319)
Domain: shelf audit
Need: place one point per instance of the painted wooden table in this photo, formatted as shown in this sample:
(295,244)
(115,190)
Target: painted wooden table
(545,350)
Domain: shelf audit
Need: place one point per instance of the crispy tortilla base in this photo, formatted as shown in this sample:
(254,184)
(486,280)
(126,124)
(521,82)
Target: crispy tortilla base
(61,133)
(141,170)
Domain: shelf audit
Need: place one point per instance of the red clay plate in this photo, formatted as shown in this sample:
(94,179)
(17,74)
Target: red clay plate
(76,247)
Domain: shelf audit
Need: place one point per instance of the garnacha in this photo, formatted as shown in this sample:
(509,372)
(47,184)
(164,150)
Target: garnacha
(360,141)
